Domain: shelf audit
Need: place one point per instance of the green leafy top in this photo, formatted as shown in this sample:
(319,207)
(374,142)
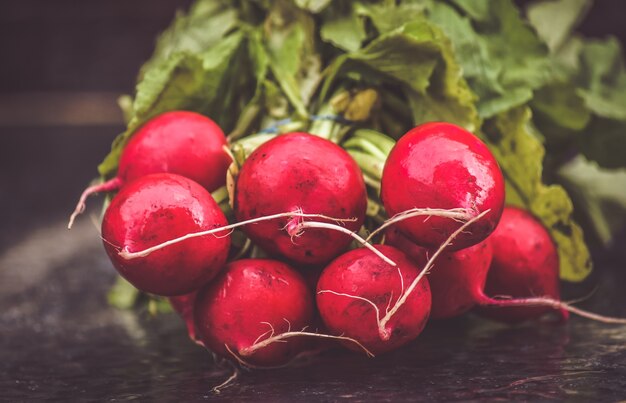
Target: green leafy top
(542,97)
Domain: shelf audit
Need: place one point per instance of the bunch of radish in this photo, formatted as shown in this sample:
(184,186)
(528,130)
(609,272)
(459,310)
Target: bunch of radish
(449,244)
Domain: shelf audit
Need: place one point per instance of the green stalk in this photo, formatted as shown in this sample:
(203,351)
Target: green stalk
(357,143)
(250,143)
(382,142)
(327,128)
(370,165)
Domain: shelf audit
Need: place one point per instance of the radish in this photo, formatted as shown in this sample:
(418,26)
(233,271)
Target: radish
(457,279)
(180,142)
(358,287)
(300,172)
(158,207)
(442,166)
(183,304)
(518,261)
(525,264)
(250,302)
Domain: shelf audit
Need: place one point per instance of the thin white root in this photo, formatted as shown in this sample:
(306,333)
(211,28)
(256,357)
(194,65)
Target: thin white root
(591,315)
(341,294)
(228,382)
(552,303)
(241,361)
(283,336)
(96,223)
(126,254)
(314,224)
(457,214)
(383,323)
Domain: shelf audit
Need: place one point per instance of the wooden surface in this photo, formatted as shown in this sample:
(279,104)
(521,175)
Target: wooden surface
(60,341)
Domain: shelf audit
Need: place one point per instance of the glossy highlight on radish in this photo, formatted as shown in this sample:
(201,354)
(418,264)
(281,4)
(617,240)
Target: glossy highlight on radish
(442,166)
(300,172)
(180,142)
(155,208)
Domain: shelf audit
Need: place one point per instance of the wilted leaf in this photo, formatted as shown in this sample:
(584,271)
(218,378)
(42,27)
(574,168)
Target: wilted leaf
(420,58)
(520,155)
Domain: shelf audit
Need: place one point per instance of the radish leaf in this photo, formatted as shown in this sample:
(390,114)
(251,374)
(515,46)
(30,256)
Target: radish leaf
(520,154)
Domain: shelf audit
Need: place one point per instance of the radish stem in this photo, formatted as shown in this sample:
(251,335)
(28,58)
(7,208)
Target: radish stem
(458,214)
(108,186)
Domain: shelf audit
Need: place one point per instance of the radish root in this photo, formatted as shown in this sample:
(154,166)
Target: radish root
(228,382)
(296,231)
(126,254)
(282,338)
(383,331)
(549,302)
(382,326)
(107,186)
(456,214)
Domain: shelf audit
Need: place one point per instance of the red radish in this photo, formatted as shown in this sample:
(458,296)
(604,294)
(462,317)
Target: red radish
(155,208)
(184,304)
(525,264)
(442,166)
(300,171)
(524,261)
(356,289)
(457,279)
(179,142)
(250,301)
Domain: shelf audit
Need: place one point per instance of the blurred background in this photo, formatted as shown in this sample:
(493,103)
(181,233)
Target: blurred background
(63,65)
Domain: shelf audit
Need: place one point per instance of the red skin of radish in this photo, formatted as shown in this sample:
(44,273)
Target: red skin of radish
(183,305)
(299,170)
(156,208)
(440,165)
(360,272)
(230,310)
(180,142)
(457,279)
(525,264)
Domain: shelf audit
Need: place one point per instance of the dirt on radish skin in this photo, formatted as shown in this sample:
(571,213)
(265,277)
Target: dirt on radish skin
(179,142)
(457,279)
(360,275)
(525,264)
(156,208)
(440,165)
(300,171)
(251,300)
